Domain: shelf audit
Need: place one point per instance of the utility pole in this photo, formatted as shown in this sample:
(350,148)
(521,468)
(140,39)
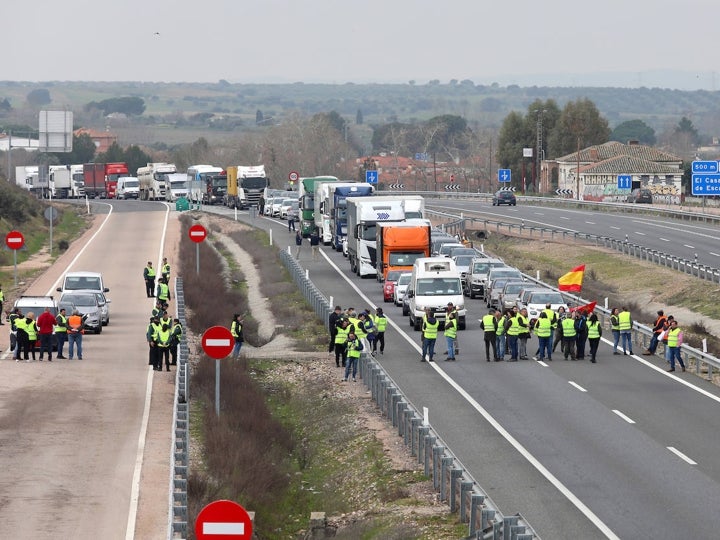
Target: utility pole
(540,153)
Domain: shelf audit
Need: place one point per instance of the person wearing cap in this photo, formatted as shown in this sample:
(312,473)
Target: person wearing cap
(236,329)
(660,325)
(61,332)
(149,277)
(381,325)
(162,341)
(675,340)
(165,270)
(150,334)
(450,308)
(176,336)
(430,327)
(333,321)
(354,346)
(75,334)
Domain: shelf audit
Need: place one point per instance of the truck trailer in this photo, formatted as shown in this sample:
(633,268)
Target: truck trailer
(306,198)
(399,245)
(363,215)
(101,178)
(335,206)
(245,186)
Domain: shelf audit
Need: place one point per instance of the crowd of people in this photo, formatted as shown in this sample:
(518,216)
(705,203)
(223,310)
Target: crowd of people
(29,333)
(163,333)
(347,331)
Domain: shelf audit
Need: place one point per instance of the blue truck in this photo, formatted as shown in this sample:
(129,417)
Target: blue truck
(336,204)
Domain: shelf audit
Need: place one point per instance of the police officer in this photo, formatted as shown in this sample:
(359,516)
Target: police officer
(175,338)
(61,328)
(151,335)
(149,276)
(163,292)
(162,341)
(165,270)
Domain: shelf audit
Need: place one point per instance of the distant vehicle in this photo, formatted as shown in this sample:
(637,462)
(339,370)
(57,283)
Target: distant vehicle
(435,282)
(495,289)
(128,187)
(153,180)
(500,272)
(446,248)
(199,177)
(438,239)
(476,277)
(401,287)
(75,281)
(389,285)
(640,195)
(537,301)
(472,252)
(245,186)
(176,186)
(86,303)
(509,295)
(504,197)
(292,209)
(463,263)
(104,304)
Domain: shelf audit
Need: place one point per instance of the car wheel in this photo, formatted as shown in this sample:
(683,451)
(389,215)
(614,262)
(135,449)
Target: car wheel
(405,311)
(461,323)
(98,330)
(417,325)
(472,294)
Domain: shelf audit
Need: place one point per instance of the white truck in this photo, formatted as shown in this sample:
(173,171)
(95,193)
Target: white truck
(324,194)
(153,180)
(363,214)
(60,181)
(435,282)
(26,176)
(77,178)
(176,187)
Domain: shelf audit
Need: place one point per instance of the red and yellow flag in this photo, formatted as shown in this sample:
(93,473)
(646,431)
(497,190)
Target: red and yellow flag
(572,281)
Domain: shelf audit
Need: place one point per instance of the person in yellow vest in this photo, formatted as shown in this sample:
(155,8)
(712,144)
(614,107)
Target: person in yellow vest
(524,335)
(430,327)
(381,325)
(543,330)
(149,276)
(162,340)
(675,340)
(594,332)
(76,329)
(489,325)
(568,335)
(512,329)
(13,318)
(341,337)
(360,331)
(501,337)
(61,328)
(615,327)
(165,270)
(26,336)
(450,331)
(175,338)
(163,292)
(354,346)
(557,337)
(625,323)
(236,329)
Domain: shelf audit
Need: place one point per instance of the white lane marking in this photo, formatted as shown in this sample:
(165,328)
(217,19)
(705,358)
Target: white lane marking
(640,233)
(576,385)
(715,254)
(689,246)
(663,239)
(590,222)
(682,456)
(569,495)
(565,217)
(542,363)
(614,227)
(624,417)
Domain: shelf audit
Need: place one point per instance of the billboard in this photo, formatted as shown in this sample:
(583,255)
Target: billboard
(56,131)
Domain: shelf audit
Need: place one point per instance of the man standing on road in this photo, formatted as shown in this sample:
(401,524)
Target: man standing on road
(381,325)
(429,333)
(61,335)
(333,321)
(149,276)
(165,270)
(489,325)
(661,324)
(176,336)
(568,336)
(45,324)
(675,339)
(315,243)
(75,334)
(291,216)
(615,327)
(163,292)
(626,324)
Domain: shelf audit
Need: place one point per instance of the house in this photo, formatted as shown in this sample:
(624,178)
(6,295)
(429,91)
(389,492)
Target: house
(102,139)
(600,165)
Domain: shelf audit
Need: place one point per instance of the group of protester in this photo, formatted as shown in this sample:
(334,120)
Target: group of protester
(163,333)
(347,331)
(667,331)
(27,332)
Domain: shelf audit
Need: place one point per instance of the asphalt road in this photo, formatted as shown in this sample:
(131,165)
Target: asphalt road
(617,449)
(72,433)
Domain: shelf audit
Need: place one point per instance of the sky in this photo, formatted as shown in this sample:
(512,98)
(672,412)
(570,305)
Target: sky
(629,43)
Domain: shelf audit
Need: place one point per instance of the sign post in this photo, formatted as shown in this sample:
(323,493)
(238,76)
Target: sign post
(14,240)
(197,234)
(223,520)
(218,343)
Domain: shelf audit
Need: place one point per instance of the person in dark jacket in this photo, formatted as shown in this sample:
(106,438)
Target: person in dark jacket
(333,321)
(315,243)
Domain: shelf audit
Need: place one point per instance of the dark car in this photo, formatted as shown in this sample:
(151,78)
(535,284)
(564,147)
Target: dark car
(504,197)
(640,195)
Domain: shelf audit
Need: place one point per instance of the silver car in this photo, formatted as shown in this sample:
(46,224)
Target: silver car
(86,303)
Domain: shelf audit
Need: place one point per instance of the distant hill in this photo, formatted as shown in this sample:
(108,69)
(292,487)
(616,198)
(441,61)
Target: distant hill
(232,107)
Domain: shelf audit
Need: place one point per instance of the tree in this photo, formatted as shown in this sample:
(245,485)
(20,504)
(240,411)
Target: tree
(131,106)
(113,154)
(136,158)
(259,118)
(39,97)
(5,105)
(359,117)
(514,136)
(580,124)
(634,130)
(686,133)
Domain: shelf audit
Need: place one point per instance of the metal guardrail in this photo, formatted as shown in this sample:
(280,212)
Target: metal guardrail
(454,484)
(179,454)
(702,362)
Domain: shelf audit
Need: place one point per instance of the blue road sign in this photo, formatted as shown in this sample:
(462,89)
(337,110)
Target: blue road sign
(371,177)
(421,156)
(706,184)
(624,181)
(705,167)
(504,175)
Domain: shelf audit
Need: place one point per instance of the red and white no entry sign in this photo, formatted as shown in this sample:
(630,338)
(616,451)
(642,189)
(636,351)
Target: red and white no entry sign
(217,342)
(14,240)
(223,520)
(197,233)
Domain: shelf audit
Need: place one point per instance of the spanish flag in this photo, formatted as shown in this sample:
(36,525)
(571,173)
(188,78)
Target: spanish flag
(572,281)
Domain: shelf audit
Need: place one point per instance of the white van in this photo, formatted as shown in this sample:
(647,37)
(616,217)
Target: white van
(435,282)
(128,187)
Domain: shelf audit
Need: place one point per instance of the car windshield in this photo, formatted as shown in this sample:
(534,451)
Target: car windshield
(393,276)
(438,286)
(81,300)
(404,279)
(463,260)
(546,298)
(74,283)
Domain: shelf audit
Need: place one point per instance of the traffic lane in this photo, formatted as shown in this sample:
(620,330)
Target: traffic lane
(677,410)
(76,424)
(620,472)
(679,238)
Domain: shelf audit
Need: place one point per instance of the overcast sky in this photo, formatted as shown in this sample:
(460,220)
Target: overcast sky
(555,42)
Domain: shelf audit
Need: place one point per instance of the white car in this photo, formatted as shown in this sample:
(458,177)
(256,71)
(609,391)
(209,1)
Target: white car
(401,287)
(92,281)
(286,207)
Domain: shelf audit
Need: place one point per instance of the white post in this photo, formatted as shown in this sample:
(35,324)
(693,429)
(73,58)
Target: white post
(537,275)
(704,342)
(307,273)
(332,301)
(606,302)
(426,416)
(236,213)
(270,231)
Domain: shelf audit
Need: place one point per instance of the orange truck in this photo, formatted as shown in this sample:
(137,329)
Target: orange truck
(399,244)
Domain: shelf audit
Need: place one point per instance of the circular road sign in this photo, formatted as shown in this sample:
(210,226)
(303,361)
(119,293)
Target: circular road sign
(217,342)
(293,176)
(197,233)
(14,240)
(51,213)
(223,520)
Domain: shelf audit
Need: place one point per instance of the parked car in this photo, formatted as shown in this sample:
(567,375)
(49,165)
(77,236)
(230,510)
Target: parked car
(400,288)
(389,285)
(445,249)
(463,263)
(537,301)
(640,195)
(476,277)
(285,207)
(75,281)
(504,197)
(104,303)
(86,303)
(509,294)
(291,209)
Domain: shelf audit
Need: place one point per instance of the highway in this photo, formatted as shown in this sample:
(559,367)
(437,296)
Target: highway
(617,449)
